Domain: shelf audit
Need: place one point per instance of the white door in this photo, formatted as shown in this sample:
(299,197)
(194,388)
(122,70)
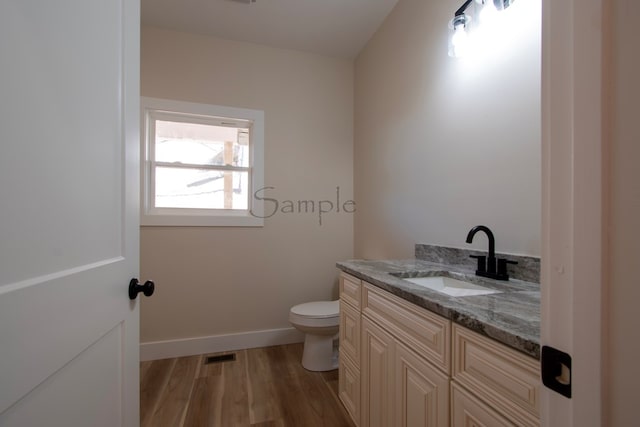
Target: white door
(69,94)
(574,33)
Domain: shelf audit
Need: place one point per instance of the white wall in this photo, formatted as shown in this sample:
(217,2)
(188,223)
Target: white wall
(212,281)
(443,144)
(622,286)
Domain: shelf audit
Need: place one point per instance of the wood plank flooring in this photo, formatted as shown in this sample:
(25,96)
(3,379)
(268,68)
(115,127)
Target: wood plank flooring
(265,387)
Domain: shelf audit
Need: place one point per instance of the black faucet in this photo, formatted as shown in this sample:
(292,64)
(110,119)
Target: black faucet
(487,264)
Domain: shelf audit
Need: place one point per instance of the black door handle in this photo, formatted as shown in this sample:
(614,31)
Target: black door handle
(135,287)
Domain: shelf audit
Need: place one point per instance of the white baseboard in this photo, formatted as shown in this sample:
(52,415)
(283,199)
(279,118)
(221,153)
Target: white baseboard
(217,343)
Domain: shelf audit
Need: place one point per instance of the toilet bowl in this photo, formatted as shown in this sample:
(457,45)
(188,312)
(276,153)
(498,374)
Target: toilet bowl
(320,322)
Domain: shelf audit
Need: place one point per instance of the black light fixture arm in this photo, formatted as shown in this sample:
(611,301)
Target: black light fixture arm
(501,4)
(462,9)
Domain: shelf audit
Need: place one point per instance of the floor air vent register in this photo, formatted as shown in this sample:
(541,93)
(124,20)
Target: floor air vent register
(220,358)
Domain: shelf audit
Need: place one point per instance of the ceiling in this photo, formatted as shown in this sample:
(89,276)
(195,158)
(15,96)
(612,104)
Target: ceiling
(328,27)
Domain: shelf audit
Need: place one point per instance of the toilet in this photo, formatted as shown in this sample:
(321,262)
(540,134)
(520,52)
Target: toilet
(320,321)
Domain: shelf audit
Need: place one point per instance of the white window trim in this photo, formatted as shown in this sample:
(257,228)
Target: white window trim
(151,216)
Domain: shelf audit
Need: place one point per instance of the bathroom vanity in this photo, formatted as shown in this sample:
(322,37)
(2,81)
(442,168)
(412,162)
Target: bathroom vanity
(414,356)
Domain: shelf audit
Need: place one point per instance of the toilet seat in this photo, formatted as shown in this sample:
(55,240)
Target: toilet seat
(316,314)
(317,309)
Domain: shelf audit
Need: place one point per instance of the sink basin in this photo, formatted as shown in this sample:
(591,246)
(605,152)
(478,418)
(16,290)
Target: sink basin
(450,286)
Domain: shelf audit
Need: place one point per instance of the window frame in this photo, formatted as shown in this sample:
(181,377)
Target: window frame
(153,109)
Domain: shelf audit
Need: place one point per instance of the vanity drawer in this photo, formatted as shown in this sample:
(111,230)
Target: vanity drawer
(349,331)
(421,330)
(467,410)
(350,289)
(506,379)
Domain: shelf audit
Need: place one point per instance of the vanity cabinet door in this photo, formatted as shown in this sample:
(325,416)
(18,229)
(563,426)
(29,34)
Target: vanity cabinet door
(349,365)
(421,391)
(349,388)
(349,332)
(376,368)
(349,383)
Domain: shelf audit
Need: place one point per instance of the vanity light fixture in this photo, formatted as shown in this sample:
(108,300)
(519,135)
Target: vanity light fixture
(485,12)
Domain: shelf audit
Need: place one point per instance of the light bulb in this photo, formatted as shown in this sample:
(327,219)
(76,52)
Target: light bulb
(458,37)
(489,13)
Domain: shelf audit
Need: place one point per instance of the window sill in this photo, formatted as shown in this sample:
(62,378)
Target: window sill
(228,220)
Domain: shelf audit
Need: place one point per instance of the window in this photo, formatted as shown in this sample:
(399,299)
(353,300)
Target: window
(201,164)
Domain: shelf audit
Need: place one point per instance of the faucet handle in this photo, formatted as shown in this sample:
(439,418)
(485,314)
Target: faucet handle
(482,263)
(502,268)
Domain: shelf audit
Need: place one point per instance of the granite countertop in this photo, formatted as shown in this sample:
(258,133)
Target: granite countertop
(511,317)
